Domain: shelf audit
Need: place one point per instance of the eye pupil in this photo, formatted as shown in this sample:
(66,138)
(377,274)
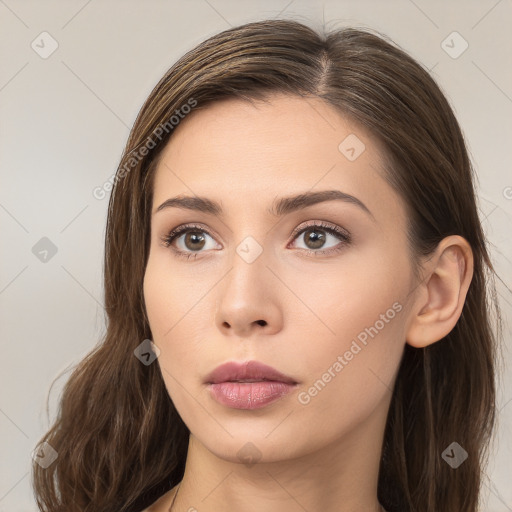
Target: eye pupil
(194,237)
(316,237)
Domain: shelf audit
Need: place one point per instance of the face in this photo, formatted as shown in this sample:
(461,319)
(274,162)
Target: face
(317,290)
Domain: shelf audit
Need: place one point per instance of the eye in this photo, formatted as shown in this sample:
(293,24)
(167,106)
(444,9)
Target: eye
(192,239)
(316,234)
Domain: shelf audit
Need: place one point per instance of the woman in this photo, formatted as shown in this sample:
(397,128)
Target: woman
(296,286)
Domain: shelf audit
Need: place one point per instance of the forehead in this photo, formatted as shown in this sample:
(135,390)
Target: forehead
(240,153)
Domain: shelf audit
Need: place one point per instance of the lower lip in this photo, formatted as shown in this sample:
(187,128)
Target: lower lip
(249,395)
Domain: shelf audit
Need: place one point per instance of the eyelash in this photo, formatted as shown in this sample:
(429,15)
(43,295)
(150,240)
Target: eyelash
(343,235)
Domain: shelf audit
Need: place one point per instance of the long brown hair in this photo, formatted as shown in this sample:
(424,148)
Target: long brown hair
(121,443)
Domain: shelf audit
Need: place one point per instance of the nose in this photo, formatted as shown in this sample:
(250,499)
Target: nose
(248,301)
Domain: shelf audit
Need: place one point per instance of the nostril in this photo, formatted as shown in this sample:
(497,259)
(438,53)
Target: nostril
(261,322)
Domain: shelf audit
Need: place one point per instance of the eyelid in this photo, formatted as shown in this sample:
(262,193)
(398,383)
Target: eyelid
(328,226)
(335,230)
(182,229)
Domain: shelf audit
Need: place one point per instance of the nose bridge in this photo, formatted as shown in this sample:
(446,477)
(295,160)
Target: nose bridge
(248,275)
(250,253)
(247,297)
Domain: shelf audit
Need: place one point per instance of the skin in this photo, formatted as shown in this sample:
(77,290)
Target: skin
(323,455)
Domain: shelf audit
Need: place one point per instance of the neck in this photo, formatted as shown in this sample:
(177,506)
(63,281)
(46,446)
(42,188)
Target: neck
(341,476)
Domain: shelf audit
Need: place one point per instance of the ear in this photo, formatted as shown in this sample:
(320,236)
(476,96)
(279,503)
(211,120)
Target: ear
(442,292)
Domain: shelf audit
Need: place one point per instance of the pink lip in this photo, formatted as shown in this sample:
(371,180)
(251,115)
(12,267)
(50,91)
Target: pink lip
(249,385)
(249,370)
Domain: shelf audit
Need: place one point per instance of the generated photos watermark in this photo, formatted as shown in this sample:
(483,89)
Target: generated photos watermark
(305,397)
(138,154)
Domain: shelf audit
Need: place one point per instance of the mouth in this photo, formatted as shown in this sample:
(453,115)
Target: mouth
(251,380)
(249,385)
(249,395)
(249,371)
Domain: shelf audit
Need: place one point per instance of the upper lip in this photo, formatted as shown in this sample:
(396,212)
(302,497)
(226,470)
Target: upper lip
(246,371)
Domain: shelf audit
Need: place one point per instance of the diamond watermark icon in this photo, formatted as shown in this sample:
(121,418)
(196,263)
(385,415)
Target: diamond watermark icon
(454,455)
(454,45)
(146,352)
(44,249)
(351,147)
(249,249)
(44,45)
(44,454)
(249,454)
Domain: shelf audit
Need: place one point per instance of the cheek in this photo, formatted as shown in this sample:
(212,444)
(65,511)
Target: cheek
(174,308)
(359,335)
(347,379)
(168,296)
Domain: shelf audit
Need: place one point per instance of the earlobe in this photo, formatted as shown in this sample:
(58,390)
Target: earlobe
(442,294)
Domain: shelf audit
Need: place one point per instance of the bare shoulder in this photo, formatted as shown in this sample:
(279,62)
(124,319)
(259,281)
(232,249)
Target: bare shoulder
(163,503)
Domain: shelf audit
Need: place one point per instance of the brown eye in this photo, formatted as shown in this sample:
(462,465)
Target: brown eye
(189,241)
(317,234)
(314,238)
(194,241)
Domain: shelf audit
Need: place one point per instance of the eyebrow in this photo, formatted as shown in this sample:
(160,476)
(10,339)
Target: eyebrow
(279,207)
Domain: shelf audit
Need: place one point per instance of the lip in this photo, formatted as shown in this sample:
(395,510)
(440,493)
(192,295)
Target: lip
(248,385)
(246,371)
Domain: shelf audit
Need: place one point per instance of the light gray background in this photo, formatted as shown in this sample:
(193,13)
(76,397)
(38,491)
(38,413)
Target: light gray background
(64,123)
